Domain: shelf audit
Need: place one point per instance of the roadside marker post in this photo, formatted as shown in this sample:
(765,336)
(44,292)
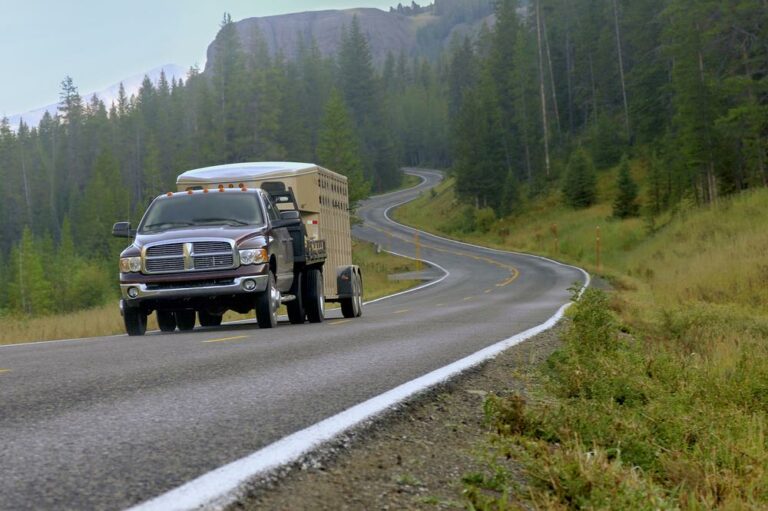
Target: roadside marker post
(597,247)
(417,255)
(553,228)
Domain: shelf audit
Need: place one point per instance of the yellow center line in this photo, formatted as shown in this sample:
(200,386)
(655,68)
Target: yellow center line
(228,338)
(440,305)
(340,322)
(4,370)
(466,298)
(487,291)
(401,311)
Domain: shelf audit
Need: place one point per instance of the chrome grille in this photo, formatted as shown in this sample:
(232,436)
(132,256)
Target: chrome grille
(190,256)
(209,262)
(171,249)
(165,265)
(211,247)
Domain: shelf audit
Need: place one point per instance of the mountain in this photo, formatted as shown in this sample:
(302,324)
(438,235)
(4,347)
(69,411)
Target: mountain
(132,85)
(422,32)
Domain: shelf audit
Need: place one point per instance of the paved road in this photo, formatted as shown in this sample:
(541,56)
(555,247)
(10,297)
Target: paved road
(108,422)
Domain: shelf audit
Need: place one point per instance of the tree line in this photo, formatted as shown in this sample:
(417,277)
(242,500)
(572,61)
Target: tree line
(64,182)
(550,94)
(562,87)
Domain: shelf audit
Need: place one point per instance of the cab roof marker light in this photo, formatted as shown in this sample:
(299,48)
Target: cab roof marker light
(205,190)
(169,194)
(189,192)
(231,185)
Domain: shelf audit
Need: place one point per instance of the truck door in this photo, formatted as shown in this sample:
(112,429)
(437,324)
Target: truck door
(282,247)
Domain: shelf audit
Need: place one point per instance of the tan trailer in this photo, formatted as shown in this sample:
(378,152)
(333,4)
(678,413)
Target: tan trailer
(321,197)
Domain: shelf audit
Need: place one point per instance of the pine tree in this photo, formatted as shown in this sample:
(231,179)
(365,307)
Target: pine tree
(625,205)
(580,185)
(339,150)
(29,289)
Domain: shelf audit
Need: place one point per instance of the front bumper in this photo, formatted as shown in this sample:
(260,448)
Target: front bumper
(237,285)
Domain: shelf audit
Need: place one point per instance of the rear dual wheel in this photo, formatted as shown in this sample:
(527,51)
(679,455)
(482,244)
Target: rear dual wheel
(267,303)
(207,319)
(166,320)
(352,307)
(185,320)
(314,296)
(296,310)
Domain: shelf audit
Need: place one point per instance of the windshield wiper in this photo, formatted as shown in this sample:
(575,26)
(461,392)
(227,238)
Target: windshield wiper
(225,221)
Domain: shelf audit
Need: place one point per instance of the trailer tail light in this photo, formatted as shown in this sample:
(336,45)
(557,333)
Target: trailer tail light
(311,222)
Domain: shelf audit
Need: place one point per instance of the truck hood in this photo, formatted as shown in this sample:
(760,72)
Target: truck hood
(237,234)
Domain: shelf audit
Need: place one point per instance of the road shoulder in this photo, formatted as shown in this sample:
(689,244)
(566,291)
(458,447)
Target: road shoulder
(412,458)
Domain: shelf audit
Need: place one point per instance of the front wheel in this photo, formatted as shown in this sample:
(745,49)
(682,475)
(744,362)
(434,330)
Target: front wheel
(315,298)
(267,303)
(135,321)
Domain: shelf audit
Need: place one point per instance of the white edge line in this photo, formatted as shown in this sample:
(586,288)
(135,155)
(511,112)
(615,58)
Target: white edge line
(225,484)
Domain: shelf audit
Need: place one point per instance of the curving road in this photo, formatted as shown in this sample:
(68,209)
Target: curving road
(110,422)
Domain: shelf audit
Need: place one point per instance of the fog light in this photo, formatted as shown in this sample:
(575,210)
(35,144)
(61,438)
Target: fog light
(133,292)
(249,285)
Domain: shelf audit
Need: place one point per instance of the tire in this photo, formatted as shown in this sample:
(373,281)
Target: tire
(314,296)
(166,321)
(359,296)
(185,320)
(207,319)
(352,307)
(296,312)
(135,321)
(267,303)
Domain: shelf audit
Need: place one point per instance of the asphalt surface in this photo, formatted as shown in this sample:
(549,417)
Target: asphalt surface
(108,422)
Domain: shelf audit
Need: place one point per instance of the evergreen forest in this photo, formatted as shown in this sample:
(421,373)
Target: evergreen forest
(541,100)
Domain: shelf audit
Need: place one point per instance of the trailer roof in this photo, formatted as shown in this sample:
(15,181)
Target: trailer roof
(250,171)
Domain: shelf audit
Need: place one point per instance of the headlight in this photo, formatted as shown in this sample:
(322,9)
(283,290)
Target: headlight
(130,264)
(253,256)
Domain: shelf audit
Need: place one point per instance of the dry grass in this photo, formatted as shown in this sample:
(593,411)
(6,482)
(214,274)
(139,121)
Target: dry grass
(106,320)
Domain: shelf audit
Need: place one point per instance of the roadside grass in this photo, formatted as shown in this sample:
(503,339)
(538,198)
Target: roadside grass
(659,397)
(106,319)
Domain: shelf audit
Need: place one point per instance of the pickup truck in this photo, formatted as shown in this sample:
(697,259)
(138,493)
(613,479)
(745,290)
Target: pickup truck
(224,244)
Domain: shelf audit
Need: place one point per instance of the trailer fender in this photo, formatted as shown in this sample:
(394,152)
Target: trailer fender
(345,276)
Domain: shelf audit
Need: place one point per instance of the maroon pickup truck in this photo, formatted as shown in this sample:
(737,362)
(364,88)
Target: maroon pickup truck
(203,252)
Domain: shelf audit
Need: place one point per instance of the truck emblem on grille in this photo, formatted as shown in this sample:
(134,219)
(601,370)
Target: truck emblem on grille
(189,262)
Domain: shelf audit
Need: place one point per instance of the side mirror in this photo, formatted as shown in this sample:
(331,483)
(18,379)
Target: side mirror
(123,230)
(290,214)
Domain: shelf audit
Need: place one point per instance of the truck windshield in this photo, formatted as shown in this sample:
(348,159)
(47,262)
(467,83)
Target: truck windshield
(201,209)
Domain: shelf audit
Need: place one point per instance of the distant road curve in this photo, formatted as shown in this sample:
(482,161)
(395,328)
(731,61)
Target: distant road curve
(178,421)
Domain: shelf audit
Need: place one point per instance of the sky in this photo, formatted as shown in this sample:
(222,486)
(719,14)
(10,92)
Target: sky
(100,42)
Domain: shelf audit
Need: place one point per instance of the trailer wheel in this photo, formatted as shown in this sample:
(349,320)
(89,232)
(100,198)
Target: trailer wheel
(166,321)
(359,296)
(135,321)
(296,311)
(207,319)
(267,303)
(315,297)
(185,320)
(352,307)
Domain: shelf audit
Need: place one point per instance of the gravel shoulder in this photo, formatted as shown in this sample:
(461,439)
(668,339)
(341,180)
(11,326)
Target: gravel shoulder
(413,457)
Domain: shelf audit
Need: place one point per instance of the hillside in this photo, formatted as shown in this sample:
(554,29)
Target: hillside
(657,391)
